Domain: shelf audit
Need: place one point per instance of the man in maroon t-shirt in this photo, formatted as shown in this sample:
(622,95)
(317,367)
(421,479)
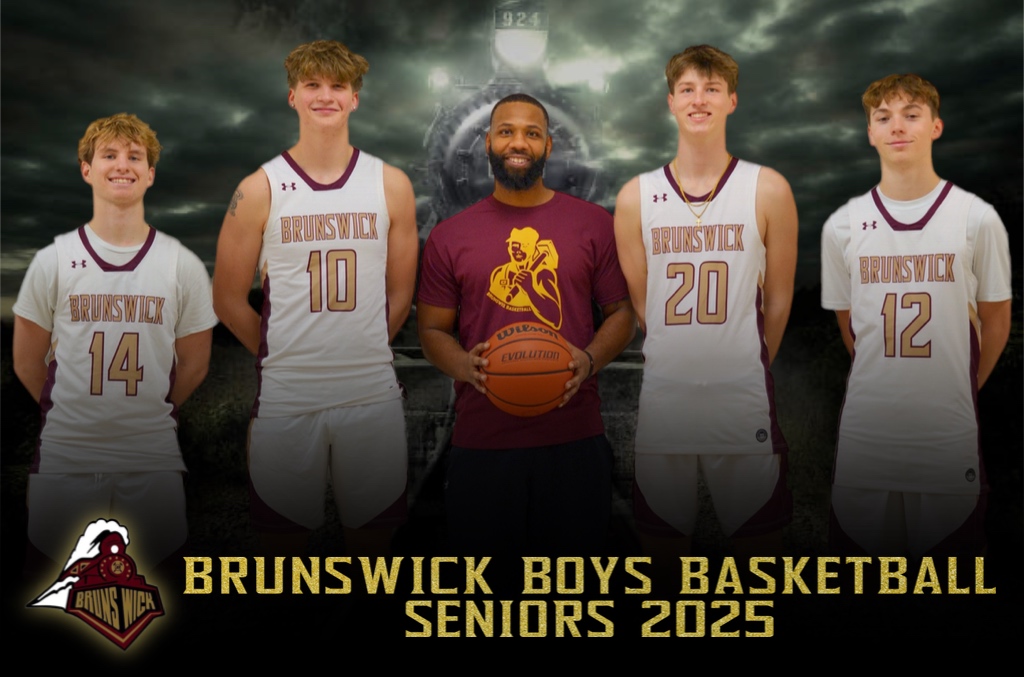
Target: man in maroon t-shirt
(515,484)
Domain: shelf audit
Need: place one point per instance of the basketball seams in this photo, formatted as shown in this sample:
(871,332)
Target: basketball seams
(510,386)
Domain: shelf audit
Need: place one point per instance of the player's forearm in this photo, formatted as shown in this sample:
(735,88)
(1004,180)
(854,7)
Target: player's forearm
(776,316)
(191,363)
(241,320)
(187,378)
(640,310)
(614,334)
(33,377)
(29,347)
(444,352)
(995,331)
(398,312)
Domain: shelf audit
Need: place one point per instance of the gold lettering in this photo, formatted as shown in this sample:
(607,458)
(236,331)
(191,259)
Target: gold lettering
(346,582)
(380,574)
(645,581)
(531,575)
(604,575)
(769,588)
(435,582)
(203,575)
(311,576)
(410,611)
(927,577)
(475,576)
(791,575)
(824,574)
(474,619)
(729,578)
(261,576)
(888,575)
(229,578)
(688,575)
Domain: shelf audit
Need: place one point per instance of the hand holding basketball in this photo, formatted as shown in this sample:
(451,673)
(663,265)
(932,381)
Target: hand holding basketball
(475,375)
(527,369)
(581,368)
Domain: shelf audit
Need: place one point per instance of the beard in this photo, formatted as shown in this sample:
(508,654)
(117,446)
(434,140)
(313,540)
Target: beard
(517,180)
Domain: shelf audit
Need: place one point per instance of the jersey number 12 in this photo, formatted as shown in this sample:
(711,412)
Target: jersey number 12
(923,302)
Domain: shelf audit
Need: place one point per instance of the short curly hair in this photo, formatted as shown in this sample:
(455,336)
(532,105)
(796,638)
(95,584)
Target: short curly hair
(912,86)
(326,58)
(122,127)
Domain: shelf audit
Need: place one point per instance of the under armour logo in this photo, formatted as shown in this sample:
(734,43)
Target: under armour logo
(872,225)
(74,264)
(284,186)
(664,197)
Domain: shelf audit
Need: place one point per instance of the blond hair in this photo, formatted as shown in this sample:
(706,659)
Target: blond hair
(121,127)
(325,58)
(706,60)
(913,87)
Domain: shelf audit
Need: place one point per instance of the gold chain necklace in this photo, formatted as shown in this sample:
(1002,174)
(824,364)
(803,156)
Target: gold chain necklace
(711,195)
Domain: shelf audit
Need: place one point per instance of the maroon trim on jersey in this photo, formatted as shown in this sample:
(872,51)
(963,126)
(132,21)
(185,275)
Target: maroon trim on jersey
(846,392)
(969,538)
(776,512)
(779,445)
(918,225)
(646,520)
(323,186)
(264,347)
(720,186)
(170,389)
(45,405)
(975,361)
(111,268)
(265,519)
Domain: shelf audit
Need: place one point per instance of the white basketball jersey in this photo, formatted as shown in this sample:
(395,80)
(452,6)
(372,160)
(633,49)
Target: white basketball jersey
(105,404)
(909,421)
(323,264)
(706,386)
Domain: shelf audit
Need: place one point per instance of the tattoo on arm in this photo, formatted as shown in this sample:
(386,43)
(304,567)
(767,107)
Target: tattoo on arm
(234,202)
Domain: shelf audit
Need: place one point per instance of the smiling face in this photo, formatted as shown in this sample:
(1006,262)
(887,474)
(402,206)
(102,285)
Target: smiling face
(701,103)
(518,144)
(119,172)
(322,100)
(902,130)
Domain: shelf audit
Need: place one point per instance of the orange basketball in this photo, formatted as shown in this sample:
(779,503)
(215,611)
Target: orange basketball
(527,370)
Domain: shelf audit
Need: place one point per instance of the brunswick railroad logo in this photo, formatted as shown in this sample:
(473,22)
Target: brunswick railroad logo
(528,282)
(101,586)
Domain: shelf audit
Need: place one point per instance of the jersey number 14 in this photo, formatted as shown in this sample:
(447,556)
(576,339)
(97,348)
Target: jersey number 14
(124,365)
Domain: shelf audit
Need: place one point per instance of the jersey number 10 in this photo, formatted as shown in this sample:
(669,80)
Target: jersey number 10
(340,267)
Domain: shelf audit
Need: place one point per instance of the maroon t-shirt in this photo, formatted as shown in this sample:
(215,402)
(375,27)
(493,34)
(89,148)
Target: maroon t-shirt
(470,263)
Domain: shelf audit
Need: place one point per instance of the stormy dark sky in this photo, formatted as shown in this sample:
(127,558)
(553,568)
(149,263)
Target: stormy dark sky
(208,76)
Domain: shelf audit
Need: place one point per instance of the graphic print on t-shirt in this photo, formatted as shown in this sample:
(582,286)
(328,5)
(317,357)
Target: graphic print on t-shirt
(528,282)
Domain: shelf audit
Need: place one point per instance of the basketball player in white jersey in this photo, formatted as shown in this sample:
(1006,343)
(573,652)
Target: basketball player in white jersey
(708,247)
(112,332)
(331,232)
(918,273)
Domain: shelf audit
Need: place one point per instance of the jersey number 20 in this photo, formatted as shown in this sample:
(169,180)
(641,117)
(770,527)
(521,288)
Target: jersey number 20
(712,292)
